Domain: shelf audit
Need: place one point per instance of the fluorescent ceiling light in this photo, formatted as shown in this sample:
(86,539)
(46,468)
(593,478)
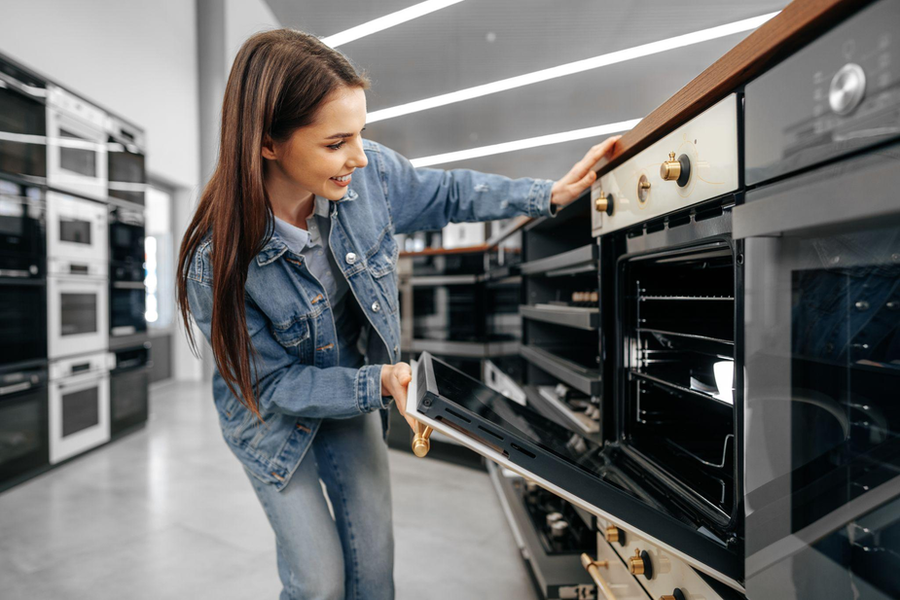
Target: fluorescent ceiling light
(570,68)
(543,140)
(381,23)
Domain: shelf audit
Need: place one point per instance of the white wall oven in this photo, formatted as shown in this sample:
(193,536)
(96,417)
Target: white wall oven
(79,405)
(78,308)
(76,229)
(23,124)
(76,145)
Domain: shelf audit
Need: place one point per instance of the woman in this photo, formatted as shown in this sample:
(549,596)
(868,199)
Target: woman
(288,269)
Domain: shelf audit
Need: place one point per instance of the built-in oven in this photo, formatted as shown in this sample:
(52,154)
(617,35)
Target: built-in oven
(76,145)
(822,331)
(22,230)
(129,388)
(23,320)
(79,405)
(24,441)
(77,308)
(23,124)
(127,294)
(125,159)
(821,232)
(76,229)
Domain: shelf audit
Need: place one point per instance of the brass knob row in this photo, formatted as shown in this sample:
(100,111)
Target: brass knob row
(640,564)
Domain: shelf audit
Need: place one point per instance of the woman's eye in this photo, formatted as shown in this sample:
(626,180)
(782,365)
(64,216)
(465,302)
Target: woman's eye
(336,146)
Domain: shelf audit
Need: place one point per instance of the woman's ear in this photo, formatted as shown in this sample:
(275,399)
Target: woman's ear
(268,149)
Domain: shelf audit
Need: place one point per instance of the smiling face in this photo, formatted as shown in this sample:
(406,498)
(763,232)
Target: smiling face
(320,158)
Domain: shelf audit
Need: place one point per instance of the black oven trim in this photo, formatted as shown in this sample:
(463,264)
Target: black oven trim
(533,458)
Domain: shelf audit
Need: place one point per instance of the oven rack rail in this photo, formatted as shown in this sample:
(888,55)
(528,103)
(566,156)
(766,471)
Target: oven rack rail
(694,336)
(464,349)
(582,379)
(700,394)
(578,317)
(541,398)
(646,298)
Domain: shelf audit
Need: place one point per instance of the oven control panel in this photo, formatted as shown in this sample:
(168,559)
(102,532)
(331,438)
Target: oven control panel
(695,162)
(657,571)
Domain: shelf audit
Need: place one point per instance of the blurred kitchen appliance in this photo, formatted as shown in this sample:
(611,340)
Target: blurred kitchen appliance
(129,385)
(79,404)
(76,145)
(24,441)
(126,148)
(127,294)
(23,130)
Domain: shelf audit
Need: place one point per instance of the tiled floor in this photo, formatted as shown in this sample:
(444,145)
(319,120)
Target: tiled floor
(168,513)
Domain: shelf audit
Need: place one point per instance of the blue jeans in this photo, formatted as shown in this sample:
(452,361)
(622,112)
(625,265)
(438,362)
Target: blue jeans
(348,556)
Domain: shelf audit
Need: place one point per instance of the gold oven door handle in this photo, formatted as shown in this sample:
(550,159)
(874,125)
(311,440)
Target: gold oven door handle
(593,568)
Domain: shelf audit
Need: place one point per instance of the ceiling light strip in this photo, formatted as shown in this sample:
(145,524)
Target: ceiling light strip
(386,22)
(579,66)
(534,142)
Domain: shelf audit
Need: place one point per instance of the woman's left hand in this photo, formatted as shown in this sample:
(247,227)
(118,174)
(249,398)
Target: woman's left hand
(582,175)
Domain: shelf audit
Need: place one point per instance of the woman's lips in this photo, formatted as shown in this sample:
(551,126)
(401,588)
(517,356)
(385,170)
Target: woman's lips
(341,183)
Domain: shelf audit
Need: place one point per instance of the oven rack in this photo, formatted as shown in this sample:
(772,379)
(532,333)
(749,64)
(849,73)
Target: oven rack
(644,298)
(693,336)
(571,262)
(582,379)
(579,317)
(681,388)
(436,280)
(542,399)
(464,349)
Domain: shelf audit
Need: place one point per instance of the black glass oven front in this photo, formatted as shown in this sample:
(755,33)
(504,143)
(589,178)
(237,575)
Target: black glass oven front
(24,437)
(23,124)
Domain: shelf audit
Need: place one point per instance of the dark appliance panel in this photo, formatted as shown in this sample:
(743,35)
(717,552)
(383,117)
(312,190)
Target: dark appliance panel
(23,124)
(22,230)
(840,94)
(24,437)
(125,156)
(23,320)
(129,385)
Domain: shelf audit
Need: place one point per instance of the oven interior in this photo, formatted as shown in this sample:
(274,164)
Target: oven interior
(677,416)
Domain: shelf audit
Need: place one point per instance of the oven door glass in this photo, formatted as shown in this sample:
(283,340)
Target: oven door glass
(23,426)
(823,414)
(129,398)
(22,235)
(570,465)
(452,312)
(128,302)
(22,320)
(77,156)
(126,243)
(77,230)
(23,149)
(127,177)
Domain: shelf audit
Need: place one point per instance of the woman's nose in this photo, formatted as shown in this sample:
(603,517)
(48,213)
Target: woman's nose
(358,160)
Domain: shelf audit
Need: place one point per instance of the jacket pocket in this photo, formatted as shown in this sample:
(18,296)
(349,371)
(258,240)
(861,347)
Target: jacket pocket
(382,266)
(293,335)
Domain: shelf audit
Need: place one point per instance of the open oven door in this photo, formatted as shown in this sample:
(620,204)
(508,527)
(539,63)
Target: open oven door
(565,463)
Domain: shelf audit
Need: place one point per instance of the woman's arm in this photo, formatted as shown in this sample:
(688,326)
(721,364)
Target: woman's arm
(427,199)
(287,386)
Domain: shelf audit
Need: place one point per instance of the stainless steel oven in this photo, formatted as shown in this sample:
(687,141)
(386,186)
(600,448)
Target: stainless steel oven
(76,145)
(127,294)
(23,124)
(125,160)
(24,441)
(822,385)
(76,229)
(77,308)
(79,405)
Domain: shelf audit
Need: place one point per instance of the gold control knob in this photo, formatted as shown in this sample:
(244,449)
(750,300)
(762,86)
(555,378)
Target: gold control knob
(636,563)
(604,203)
(612,534)
(677,594)
(421,443)
(670,170)
(643,189)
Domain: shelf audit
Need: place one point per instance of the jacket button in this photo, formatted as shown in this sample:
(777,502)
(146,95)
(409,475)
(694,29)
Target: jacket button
(376,306)
(396,349)
(350,258)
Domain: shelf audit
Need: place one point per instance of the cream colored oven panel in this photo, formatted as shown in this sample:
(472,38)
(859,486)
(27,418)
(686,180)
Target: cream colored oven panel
(696,162)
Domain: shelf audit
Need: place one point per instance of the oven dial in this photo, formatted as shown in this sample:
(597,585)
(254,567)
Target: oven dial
(604,203)
(677,594)
(848,86)
(643,189)
(640,564)
(677,170)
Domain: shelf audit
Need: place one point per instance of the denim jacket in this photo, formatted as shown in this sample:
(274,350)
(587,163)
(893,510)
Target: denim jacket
(290,322)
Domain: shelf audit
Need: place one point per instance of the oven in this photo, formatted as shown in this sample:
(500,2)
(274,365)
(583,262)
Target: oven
(125,160)
(76,145)
(77,308)
(76,229)
(129,388)
(23,124)
(79,405)
(24,441)
(22,230)
(127,295)
(821,231)
(23,320)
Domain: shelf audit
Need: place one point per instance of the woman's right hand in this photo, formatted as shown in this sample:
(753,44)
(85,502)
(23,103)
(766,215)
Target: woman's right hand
(395,383)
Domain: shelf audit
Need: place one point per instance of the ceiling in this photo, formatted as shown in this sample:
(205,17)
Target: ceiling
(480,41)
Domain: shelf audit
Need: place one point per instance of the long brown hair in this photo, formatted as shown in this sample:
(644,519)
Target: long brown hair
(278,81)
